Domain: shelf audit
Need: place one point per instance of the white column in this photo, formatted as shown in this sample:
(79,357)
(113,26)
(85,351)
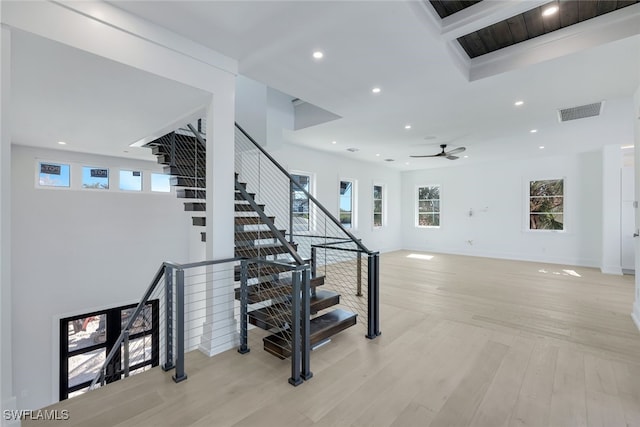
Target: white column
(611,205)
(220,329)
(636,118)
(7,398)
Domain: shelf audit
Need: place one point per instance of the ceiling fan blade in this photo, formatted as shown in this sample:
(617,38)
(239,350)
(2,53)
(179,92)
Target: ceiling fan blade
(456,150)
(452,157)
(431,155)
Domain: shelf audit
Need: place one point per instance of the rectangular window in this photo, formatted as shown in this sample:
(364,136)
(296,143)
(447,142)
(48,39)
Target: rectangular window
(428,206)
(54,175)
(546,204)
(301,221)
(160,182)
(130,180)
(97,178)
(377,205)
(346,204)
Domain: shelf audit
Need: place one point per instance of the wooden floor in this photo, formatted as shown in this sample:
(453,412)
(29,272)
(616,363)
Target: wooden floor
(465,342)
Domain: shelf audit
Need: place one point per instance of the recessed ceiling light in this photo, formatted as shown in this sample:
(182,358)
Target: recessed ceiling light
(533,130)
(626,147)
(376,90)
(334,142)
(465,157)
(378,155)
(406,163)
(62,143)
(518,103)
(550,10)
(318,55)
(407,126)
(541,147)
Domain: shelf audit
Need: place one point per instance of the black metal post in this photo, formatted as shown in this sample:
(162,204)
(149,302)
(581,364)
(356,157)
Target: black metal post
(314,271)
(376,288)
(168,316)
(179,375)
(295,379)
(306,324)
(372,299)
(359,275)
(291,200)
(244,301)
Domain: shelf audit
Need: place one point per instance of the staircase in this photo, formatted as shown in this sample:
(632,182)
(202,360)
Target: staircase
(256,237)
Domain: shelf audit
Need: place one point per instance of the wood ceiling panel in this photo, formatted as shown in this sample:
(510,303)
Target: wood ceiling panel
(446,8)
(587,10)
(518,28)
(569,13)
(531,24)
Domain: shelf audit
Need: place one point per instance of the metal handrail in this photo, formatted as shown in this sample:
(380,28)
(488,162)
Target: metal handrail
(270,224)
(116,347)
(313,199)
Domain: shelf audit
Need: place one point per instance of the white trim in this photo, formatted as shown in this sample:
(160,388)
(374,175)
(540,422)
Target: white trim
(526,182)
(603,29)
(384,206)
(635,315)
(483,14)
(416,206)
(354,203)
(611,269)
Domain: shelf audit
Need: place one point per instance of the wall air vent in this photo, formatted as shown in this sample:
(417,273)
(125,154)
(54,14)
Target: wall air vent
(580,112)
(353,150)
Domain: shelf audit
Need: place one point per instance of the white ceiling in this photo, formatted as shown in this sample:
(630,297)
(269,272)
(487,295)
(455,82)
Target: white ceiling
(395,45)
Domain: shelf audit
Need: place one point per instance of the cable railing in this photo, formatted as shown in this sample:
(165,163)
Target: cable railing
(348,266)
(204,306)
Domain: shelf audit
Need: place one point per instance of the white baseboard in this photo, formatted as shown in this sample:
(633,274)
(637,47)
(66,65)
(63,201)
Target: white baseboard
(610,269)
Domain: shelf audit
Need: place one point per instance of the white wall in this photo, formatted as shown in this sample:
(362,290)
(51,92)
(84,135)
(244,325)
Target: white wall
(611,209)
(496,193)
(328,169)
(636,120)
(75,251)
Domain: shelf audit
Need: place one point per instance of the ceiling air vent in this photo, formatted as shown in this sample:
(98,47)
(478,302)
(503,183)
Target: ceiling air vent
(353,150)
(389,160)
(580,112)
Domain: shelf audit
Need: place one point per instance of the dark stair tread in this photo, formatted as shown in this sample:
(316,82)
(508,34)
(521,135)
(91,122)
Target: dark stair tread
(268,290)
(179,181)
(261,250)
(321,328)
(165,159)
(246,207)
(276,315)
(195,207)
(251,220)
(239,197)
(199,221)
(185,171)
(250,236)
(190,193)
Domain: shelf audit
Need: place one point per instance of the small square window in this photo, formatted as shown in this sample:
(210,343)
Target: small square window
(130,180)
(160,183)
(96,178)
(54,175)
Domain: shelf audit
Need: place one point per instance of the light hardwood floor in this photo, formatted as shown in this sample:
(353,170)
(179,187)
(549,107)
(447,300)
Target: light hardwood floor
(465,342)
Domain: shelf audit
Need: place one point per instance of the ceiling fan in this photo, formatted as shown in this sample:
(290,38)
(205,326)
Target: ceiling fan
(448,154)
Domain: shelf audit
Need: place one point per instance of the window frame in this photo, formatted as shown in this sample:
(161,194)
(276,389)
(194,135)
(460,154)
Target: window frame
(310,209)
(383,207)
(527,207)
(40,161)
(354,196)
(417,206)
